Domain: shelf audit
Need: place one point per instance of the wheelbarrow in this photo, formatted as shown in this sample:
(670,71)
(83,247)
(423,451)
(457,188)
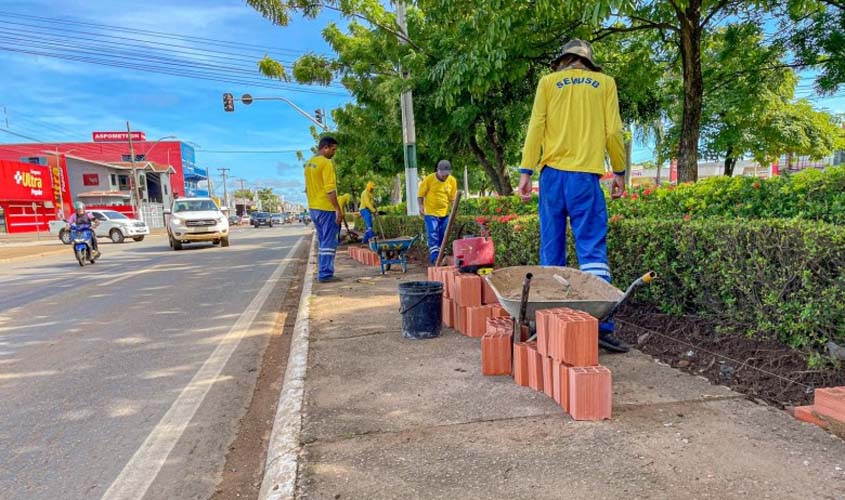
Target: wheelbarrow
(552,287)
(393,251)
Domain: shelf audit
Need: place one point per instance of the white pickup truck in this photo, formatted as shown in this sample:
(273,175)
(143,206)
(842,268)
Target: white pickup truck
(113,225)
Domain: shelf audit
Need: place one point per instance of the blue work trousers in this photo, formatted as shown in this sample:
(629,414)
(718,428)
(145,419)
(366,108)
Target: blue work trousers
(436,229)
(368,222)
(327,231)
(579,197)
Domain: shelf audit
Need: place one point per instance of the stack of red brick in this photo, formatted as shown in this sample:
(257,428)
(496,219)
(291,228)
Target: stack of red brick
(564,363)
(828,408)
(364,256)
(468,301)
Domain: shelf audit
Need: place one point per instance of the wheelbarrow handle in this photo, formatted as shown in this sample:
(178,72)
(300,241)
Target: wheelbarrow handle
(645,279)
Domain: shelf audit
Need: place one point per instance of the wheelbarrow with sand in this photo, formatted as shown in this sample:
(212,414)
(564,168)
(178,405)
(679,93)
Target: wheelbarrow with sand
(524,290)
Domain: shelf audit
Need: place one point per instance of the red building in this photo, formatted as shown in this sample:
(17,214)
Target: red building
(179,155)
(29,196)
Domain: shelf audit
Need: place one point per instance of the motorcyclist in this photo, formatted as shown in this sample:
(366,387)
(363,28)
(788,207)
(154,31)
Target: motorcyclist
(81,217)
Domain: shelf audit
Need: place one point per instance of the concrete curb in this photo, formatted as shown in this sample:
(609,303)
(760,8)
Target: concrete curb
(280,467)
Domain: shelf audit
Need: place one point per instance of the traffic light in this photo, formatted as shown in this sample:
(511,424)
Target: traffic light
(318,115)
(228,102)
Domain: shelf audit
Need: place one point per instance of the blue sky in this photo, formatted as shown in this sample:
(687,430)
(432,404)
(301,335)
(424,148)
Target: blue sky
(57,100)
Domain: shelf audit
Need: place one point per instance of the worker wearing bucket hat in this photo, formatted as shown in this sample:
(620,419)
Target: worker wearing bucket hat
(574,122)
(436,194)
(368,208)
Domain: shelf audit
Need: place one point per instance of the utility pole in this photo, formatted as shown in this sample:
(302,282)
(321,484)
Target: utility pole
(136,198)
(409,133)
(225,189)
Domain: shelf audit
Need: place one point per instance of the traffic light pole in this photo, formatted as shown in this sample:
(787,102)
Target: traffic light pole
(248,99)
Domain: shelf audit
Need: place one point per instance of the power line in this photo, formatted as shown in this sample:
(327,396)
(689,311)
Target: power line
(208,76)
(52,21)
(249,152)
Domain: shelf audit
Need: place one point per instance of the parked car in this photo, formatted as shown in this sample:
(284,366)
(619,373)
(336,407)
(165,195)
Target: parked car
(278,218)
(196,219)
(113,225)
(234,220)
(261,219)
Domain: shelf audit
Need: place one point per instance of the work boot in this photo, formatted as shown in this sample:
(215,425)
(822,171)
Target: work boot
(609,342)
(330,279)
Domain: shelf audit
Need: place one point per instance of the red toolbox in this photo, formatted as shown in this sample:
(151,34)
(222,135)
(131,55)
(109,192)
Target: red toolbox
(474,252)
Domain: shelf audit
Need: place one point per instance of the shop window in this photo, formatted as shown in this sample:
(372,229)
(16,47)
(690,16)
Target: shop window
(113,181)
(123,182)
(137,157)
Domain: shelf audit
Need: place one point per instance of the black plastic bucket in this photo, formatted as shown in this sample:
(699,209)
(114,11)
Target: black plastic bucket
(420,304)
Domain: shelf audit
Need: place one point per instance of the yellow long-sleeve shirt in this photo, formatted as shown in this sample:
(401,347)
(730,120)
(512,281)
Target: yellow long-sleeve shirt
(575,119)
(367,200)
(320,180)
(438,194)
(344,200)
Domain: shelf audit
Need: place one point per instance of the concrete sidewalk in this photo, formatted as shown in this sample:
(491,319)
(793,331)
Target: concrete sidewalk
(386,417)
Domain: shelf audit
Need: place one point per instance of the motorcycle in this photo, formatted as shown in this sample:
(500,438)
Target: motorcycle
(81,236)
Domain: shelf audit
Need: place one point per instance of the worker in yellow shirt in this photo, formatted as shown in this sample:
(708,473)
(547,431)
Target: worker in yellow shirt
(575,120)
(436,194)
(323,205)
(368,208)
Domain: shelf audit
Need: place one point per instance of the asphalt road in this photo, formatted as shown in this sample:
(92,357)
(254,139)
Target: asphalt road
(126,379)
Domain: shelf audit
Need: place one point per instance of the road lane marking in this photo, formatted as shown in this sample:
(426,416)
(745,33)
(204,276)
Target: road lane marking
(279,481)
(138,474)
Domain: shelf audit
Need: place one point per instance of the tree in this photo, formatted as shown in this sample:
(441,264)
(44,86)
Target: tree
(817,36)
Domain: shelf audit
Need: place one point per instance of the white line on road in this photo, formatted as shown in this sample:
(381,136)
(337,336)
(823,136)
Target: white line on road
(279,480)
(138,474)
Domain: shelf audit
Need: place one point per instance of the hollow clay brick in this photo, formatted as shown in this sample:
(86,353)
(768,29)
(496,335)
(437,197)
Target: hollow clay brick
(487,294)
(448,313)
(535,367)
(808,414)
(574,340)
(477,320)
(548,376)
(561,384)
(590,393)
(520,363)
(461,319)
(496,353)
(468,288)
(830,402)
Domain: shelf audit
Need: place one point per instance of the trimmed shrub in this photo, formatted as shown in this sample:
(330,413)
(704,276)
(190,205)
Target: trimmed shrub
(772,278)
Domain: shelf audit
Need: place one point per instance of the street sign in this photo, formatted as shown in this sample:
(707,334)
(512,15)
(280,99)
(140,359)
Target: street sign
(246,99)
(117,136)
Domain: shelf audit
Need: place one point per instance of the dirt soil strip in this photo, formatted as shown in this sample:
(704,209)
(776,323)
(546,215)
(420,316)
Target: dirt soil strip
(764,370)
(245,459)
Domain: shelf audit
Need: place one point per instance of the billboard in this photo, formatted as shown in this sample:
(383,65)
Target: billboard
(117,136)
(25,182)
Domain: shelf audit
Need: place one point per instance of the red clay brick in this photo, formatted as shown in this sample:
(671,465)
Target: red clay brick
(574,340)
(590,393)
(535,367)
(548,377)
(830,402)
(487,294)
(461,319)
(808,414)
(560,380)
(477,320)
(496,353)
(542,320)
(468,288)
(448,313)
(499,311)
(520,363)
(447,275)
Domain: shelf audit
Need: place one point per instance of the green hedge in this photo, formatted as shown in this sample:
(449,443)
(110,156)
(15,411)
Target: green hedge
(809,194)
(767,278)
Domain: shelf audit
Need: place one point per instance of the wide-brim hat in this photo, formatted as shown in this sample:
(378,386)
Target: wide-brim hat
(578,48)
